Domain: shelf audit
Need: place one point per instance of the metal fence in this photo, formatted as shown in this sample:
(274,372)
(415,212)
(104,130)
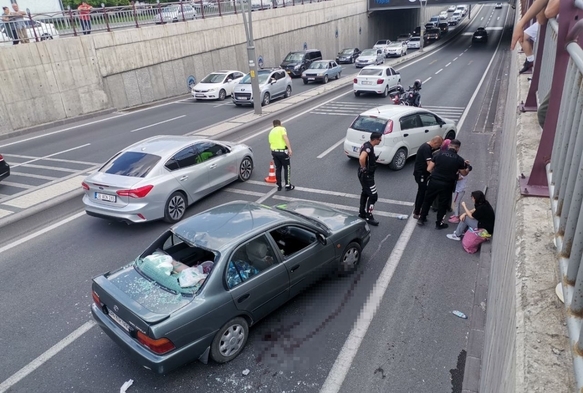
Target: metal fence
(38,27)
(559,67)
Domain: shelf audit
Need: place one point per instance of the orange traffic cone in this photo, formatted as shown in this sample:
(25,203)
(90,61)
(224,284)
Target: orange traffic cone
(271,177)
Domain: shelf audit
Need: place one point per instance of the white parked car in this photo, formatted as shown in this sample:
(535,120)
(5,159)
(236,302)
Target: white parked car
(443,15)
(175,13)
(404,129)
(454,20)
(376,79)
(382,45)
(369,57)
(451,8)
(414,43)
(498,6)
(397,49)
(463,9)
(44,31)
(217,85)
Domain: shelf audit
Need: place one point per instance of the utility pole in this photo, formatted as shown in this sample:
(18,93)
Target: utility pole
(247,22)
(422,25)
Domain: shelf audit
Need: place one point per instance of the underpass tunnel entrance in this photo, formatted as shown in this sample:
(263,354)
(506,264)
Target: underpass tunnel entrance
(388,24)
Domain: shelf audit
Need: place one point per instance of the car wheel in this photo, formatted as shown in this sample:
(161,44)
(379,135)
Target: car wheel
(45,37)
(222,95)
(245,169)
(399,159)
(305,81)
(386,92)
(338,75)
(266,99)
(325,79)
(175,207)
(450,135)
(350,258)
(357,93)
(287,92)
(230,340)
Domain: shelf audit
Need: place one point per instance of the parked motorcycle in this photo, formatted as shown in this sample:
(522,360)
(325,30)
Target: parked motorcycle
(409,97)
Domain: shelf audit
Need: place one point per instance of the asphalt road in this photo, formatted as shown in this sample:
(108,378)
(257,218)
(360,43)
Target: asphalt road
(413,342)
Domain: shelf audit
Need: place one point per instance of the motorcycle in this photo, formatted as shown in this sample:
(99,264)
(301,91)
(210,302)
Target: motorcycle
(409,97)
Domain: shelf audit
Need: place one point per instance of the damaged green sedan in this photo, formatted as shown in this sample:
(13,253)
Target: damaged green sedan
(194,293)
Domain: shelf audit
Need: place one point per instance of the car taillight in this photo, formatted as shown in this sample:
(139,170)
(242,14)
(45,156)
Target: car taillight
(85,186)
(1,158)
(96,298)
(380,81)
(159,346)
(355,80)
(388,128)
(135,193)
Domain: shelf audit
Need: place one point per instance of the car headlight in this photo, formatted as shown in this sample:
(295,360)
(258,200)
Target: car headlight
(320,74)
(297,67)
(213,89)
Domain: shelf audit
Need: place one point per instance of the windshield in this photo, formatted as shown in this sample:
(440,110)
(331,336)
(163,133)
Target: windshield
(369,124)
(294,56)
(371,72)
(369,52)
(131,163)
(319,65)
(415,39)
(347,52)
(261,77)
(213,78)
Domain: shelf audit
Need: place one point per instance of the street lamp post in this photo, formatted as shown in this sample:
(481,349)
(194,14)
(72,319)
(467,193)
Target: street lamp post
(422,25)
(247,22)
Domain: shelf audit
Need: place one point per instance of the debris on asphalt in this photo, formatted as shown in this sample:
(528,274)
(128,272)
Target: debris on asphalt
(402,217)
(125,386)
(459,314)
(246,372)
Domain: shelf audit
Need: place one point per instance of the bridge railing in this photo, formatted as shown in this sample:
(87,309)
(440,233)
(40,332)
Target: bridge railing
(74,22)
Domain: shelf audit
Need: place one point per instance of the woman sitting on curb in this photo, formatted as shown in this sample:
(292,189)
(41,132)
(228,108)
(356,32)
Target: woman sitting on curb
(481,216)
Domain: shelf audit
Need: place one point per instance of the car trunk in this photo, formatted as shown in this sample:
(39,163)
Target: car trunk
(360,130)
(369,80)
(103,188)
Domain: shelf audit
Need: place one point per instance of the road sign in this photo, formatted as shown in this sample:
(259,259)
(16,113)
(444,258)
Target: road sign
(190,81)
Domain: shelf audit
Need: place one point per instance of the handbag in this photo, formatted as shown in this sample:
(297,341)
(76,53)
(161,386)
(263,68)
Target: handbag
(473,239)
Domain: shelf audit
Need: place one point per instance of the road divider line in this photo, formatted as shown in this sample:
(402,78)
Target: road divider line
(52,159)
(244,192)
(447,65)
(426,80)
(158,123)
(334,146)
(439,71)
(341,367)
(455,59)
(50,155)
(17,185)
(333,114)
(34,176)
(43,358)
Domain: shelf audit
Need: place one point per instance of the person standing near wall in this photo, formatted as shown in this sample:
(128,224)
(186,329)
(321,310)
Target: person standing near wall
(10,31)
(85,17)
(18,23)
(281,152)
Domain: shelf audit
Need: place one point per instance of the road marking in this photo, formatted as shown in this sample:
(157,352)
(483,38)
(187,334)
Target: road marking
(473,98)
(334,146)
(244,192)
(498,18)
(267,195)
(43,358)
(426,80)
(18,185)
(50,155)
(343,362)
(160,122)
(434,61)
(332,113)
(53,168)
(32,175)
(447,65)
(53,159)
(455,59)
(439,71)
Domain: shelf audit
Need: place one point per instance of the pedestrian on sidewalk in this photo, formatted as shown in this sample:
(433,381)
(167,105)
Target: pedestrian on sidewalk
(444,169)
(422,160)
(281,152)
(85,17)
(480,217)
(458,195)
(367,165)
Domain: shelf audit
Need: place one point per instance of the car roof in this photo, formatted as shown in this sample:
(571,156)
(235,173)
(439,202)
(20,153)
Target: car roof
(224,71)
(377,67)
(162,145)
(219,227)
(389,111)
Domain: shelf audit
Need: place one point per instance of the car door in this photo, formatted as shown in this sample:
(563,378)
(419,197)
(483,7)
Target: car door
(410,129)
(395,77)
(356,53)
(333,69)
(219,164)
(280,84)
(256,279)
(230,83)
(430,126)
(185,170)
(305,257)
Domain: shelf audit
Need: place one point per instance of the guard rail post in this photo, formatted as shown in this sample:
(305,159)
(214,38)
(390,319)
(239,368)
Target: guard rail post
(219,4)
(135,14)
(106,17)
(182,10)
(201,9)
(72,21)
(32,24)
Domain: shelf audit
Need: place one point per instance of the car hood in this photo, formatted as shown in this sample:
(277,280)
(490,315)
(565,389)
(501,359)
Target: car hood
(207,86)
(361,57)
(335,220)
(290,63)
(246,88)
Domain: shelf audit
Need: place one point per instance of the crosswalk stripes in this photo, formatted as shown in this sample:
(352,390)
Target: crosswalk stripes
(354,109)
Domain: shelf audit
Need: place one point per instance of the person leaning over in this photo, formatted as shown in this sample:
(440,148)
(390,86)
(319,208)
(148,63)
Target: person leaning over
(368,164)
(480,217)
(422,160)
(17,17)
(281,152)
(444,169)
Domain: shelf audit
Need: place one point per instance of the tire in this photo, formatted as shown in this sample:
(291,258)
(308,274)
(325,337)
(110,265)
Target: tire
(245,169)
(357,93)
(325,79)
(46,37)
(266,99)
(175,207)
(350,259)
(450,135)
(288,91)
(399,160)
(230,340)
(222,95)
(386,92)
(305,81)
(338,75)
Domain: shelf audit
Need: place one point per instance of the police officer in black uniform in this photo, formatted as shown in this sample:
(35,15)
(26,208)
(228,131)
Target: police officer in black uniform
(368,164)
(444,169)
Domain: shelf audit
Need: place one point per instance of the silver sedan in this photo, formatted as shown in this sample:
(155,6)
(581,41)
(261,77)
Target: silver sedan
(158,178)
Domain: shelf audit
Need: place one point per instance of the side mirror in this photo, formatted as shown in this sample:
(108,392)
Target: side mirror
(273,81)
(229,80)
(322,239)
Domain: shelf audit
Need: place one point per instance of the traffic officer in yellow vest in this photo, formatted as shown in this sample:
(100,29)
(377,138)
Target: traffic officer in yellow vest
(281,152)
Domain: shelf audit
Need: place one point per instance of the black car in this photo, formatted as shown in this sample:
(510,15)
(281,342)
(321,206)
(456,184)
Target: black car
(297,62)
(4,168)
(347,55)
(432,35)
(444,27)
(480,35)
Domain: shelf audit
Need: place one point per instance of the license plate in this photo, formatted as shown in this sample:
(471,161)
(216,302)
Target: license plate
(366,83)
(355,149)
(200,95)
(243,98)
(311,79)
(119,321)
(105,197)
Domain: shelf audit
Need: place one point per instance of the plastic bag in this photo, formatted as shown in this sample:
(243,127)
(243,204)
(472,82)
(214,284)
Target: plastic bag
(191,277)
(473,239)
(160,262)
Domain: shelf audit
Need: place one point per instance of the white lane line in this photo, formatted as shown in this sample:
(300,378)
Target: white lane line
(225,104)
(40,232)
(53,159)
(18,185)
(160,122)
(334,114)
(50,155)
(426,80)
(244,192)
(439,71)
(339,207)
(473,98)
(455,59)
(343,362)
(334,146)
(34,176)
(43,358)
(447,65)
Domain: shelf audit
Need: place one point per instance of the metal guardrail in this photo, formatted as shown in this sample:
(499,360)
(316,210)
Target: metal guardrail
(73,22)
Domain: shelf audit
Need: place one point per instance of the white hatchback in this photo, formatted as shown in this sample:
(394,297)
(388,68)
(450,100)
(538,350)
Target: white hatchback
(404,130)
(376,79)
(217,85)
(414,43)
